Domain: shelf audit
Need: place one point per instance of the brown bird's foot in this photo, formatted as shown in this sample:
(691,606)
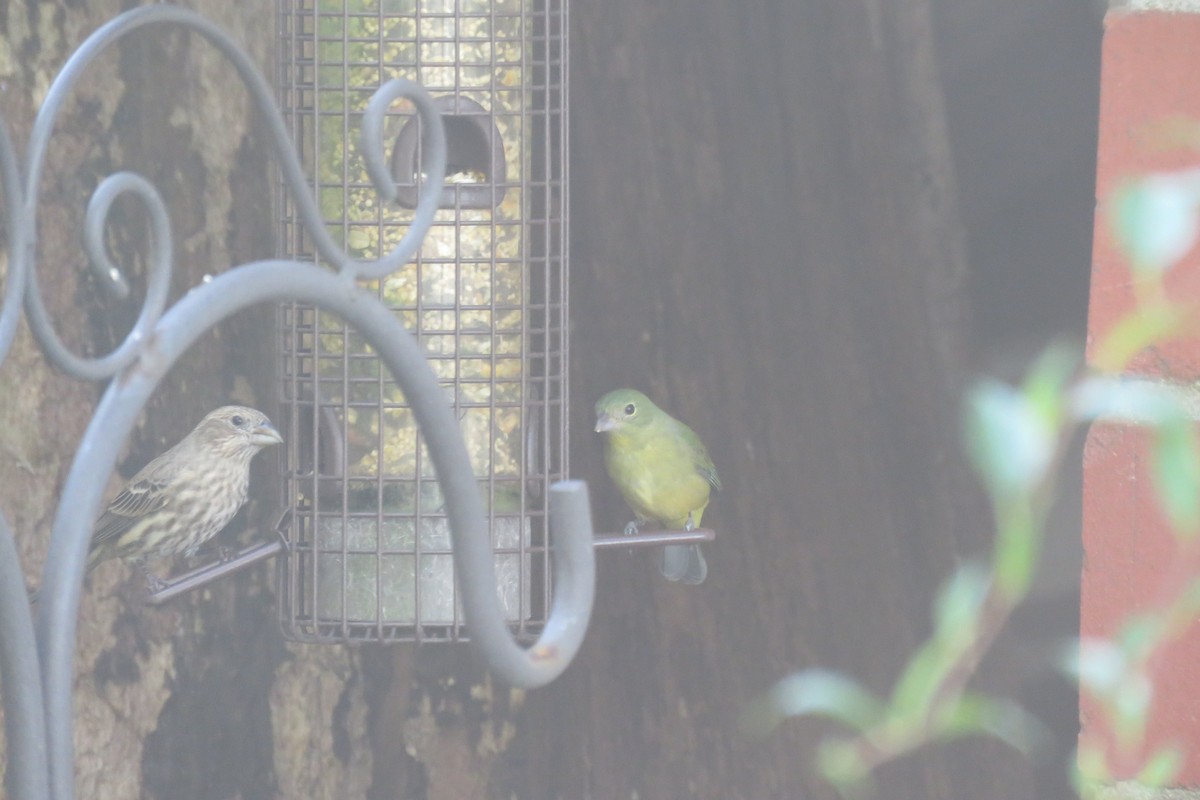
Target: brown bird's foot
(210,552)
(153,582)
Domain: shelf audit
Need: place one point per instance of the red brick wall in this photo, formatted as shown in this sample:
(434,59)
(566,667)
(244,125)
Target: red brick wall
(1150,83)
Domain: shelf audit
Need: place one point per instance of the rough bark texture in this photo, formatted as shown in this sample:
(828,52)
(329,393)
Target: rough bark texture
(767,239)
(199,699)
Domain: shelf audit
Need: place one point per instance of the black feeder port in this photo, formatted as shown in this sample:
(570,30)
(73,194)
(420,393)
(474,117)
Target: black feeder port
(475,170)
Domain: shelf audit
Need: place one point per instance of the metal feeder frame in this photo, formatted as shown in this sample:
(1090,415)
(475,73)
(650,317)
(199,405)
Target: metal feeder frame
(367,555)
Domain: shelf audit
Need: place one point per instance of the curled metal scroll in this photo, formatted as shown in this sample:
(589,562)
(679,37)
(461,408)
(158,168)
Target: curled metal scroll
(159,338)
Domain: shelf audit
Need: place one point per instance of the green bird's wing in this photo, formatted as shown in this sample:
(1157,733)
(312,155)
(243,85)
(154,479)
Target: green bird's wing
(686,562)
(700,458)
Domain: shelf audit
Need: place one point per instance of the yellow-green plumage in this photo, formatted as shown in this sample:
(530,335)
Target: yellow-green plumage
(662,470)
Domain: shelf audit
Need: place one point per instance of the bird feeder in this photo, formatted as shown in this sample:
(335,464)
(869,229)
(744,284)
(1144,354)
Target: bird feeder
(367,554)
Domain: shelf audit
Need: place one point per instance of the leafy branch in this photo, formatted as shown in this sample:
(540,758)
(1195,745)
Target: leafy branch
(1016,438)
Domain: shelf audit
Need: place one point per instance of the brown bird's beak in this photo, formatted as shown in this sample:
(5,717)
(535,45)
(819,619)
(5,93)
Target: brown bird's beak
(265,435)
(605,422)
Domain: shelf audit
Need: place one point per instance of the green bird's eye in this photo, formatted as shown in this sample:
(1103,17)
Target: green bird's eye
(630,410)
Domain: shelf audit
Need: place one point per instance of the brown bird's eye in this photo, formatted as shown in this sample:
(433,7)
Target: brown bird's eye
(237,420)
(629,409)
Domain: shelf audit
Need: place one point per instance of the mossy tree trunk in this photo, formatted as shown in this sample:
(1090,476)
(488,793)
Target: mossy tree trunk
(200,698)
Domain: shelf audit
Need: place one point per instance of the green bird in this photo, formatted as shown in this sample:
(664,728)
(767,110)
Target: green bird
(662,470)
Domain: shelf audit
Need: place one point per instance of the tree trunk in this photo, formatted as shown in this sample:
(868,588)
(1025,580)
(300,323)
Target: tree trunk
(199,698)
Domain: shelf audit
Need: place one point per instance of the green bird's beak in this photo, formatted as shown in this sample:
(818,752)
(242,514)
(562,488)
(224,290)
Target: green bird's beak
(605,422)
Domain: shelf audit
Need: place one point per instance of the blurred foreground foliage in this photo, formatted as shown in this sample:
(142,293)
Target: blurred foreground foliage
(1015,438)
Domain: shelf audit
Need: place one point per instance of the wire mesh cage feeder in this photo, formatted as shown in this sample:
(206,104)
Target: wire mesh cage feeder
(368,554)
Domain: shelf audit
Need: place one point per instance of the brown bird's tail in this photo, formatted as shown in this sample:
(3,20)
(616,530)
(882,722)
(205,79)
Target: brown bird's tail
(683,562)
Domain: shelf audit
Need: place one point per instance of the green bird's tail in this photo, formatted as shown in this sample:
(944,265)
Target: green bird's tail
(683,562)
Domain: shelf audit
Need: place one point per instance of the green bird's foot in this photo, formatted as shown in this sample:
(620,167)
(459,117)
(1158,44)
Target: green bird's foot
(631,528)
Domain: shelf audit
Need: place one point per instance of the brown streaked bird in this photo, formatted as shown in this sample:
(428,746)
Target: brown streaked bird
(186,496)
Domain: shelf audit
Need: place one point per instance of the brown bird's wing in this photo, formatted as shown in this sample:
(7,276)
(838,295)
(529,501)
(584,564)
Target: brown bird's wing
(132,504)
(145,494)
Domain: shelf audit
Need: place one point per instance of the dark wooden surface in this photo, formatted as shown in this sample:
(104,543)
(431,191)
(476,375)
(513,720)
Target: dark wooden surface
(766,237)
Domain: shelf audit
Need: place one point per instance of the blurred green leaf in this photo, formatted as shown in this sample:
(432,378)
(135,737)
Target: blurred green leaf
(1154,219)
(1111,673)
(1091,771)
(814,692)
(840,763)
(1018,543)
(1140,633)
(1150,324)
(922,675)
(956,610)
(1184,610)
(956,621)
(1098,664)
(1172,133)
(1177,472)
(1045,385)
(1133,400)
(1130,705)
(996,717)
(1008,440)
(1161,768)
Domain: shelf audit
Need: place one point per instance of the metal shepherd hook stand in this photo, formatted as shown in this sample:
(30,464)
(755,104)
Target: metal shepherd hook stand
(39,734)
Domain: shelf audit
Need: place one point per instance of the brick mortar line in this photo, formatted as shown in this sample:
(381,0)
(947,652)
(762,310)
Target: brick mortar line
(1173,6)
(1131,790)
